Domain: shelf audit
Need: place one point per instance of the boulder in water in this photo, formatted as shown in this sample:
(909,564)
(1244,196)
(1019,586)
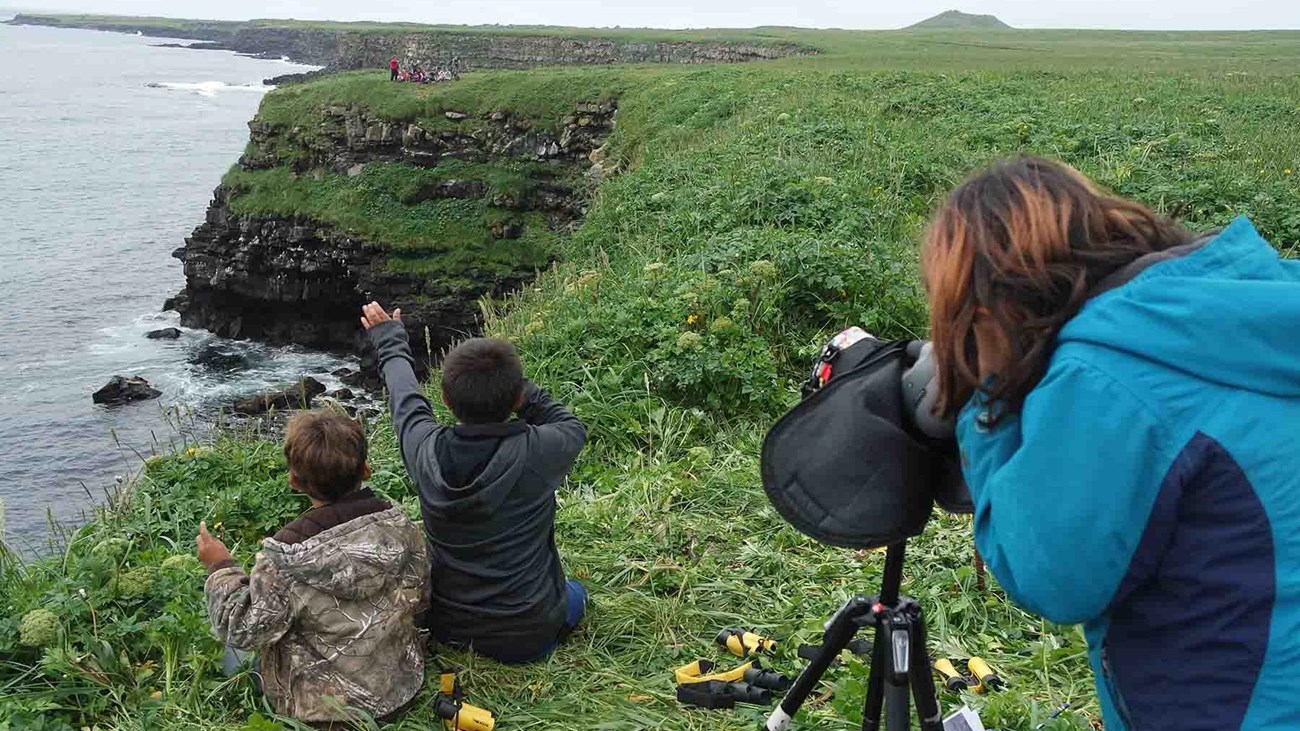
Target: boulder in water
(214,358)
(342,394)
(121,390)
(167,333)
(296,396)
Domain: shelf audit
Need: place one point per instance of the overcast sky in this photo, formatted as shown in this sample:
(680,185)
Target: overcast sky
(1154,14)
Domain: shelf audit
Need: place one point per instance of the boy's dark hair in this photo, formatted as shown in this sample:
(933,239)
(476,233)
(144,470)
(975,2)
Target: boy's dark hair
(482,379)
(326,453)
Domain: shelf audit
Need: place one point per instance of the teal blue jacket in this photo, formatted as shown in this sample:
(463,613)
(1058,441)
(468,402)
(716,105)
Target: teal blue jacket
(1150,488)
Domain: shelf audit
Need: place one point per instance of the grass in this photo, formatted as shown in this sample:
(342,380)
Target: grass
(449,238)
(763,207)
(546,97)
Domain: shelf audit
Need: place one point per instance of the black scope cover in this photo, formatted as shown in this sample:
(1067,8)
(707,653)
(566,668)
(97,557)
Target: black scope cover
(844,469)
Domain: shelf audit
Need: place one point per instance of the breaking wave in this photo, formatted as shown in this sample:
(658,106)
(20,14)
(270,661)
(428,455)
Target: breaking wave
(207,88)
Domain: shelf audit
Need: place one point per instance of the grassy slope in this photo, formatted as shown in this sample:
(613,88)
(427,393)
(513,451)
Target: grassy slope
(957,20)
(666,336)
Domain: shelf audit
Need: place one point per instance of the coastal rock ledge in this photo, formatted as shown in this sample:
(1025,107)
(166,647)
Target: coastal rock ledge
(290,278)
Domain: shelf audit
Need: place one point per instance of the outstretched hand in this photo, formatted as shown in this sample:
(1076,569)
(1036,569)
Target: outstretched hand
(372,314)
(211,550)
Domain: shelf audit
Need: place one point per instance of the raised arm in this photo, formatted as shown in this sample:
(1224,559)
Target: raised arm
(561,435)
(413,418)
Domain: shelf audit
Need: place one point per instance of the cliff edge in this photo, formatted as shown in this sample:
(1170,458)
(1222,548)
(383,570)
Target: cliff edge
(350,46)
(429,208)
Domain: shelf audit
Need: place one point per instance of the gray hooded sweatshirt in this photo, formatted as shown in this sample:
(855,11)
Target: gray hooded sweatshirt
(487,495)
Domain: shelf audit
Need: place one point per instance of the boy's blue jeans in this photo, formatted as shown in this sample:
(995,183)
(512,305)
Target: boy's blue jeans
(576,610)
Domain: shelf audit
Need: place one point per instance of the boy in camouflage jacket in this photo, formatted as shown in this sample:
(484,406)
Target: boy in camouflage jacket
(331,600)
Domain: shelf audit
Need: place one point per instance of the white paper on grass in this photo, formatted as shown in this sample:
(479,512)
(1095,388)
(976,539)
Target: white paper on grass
(963,720)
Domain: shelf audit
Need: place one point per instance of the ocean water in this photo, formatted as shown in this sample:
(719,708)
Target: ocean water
(109,150)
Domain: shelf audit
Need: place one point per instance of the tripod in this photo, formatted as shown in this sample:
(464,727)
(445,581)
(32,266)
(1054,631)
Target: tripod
(899,658)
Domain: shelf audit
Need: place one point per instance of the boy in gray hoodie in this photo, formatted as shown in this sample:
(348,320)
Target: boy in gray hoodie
(487,493)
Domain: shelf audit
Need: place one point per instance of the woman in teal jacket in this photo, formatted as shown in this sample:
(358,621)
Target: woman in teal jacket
(1128,404)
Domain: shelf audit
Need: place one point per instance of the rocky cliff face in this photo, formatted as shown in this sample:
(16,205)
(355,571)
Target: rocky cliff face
(341,50)
(348,135)
(361,50)
(292,279)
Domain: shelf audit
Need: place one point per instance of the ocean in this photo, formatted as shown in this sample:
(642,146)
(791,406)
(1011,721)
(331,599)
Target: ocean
(110,147)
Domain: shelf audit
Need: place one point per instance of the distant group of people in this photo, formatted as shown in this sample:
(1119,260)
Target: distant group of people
(450,72)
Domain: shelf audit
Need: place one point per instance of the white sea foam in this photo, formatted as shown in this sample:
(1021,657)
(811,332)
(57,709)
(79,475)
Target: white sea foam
(207,88)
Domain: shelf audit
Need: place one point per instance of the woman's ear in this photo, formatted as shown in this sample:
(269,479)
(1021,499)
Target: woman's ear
(295,485)
(519,401)
(365,472)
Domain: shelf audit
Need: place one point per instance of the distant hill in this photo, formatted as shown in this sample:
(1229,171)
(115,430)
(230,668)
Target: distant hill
(957,20)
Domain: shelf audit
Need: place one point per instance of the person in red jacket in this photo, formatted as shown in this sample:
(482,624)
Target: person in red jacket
(392,68)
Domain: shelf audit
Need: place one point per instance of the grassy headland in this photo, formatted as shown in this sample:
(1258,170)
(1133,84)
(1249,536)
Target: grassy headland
(762,208)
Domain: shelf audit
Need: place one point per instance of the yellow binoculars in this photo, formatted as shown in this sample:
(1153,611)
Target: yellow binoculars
(457,715)
(742,643)
(982,678)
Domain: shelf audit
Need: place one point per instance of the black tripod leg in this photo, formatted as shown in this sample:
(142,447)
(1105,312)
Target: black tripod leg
(839,633)
(881,665)
(898,707)
(922,678)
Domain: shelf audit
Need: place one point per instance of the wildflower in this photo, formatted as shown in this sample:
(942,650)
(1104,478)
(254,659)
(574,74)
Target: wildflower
(692,319)
(690,341)
(112,549)
(763,269)
(180,562)
(534,327)
(722,326)
(654,267)
(699,455)
(40,627)
(135,582)
(1287,171)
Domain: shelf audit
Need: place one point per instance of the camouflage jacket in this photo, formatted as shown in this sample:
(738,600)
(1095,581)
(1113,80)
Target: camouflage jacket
(330,609)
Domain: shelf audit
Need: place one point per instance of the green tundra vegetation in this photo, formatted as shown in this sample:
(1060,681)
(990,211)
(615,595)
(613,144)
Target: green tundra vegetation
(759,209)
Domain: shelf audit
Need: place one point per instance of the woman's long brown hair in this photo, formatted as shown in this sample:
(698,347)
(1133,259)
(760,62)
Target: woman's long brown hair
(1015,250)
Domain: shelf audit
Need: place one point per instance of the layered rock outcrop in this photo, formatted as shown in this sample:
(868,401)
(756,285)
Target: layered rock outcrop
(349,135)
(291,279)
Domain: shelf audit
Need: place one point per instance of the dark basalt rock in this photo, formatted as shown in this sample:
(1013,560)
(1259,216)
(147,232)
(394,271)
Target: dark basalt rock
(121,390)
(296,396)
(214,358)
(167,333)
